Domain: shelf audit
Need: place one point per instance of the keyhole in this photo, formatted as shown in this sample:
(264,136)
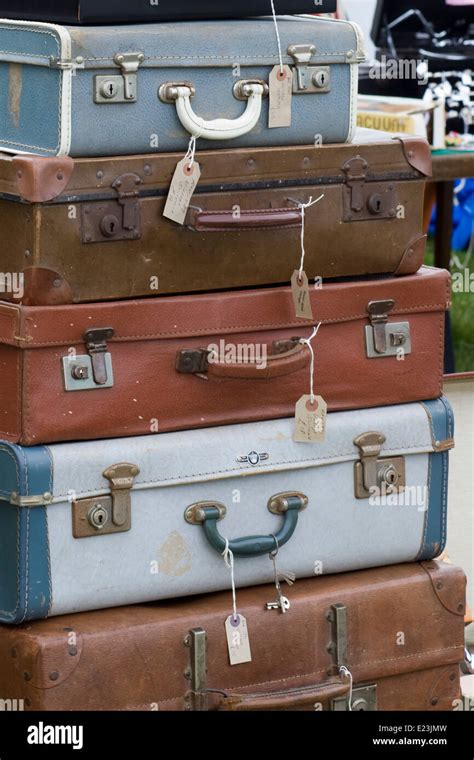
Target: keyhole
(375,204)
(109,90)
(320,79)
(109,225)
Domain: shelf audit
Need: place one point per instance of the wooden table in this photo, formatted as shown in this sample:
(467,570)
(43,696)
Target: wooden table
(447,167)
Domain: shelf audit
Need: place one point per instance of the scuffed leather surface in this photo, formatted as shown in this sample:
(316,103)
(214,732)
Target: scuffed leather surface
(134,658)
(149,334)
(202,52)
(177,470)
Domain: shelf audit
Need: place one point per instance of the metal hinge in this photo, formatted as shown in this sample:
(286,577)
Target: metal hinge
(107,514)
(366,200)
(120,88)
(308,78)
(384,338)
(44,500)
(337,647)
(107,221)
(94,371)
(196,698)
(375,473)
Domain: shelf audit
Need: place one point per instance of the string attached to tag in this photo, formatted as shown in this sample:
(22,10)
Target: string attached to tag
(311,410)
(183,184)
(238,641)
(309,342)
(346,672)
(299,280)
(280,86)
(229,561)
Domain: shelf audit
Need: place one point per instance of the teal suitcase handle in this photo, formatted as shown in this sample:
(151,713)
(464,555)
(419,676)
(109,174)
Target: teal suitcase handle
(208,514)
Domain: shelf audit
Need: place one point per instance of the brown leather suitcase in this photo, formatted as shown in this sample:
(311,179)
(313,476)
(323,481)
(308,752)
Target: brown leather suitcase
(93,229)
(399,632)
(154,365)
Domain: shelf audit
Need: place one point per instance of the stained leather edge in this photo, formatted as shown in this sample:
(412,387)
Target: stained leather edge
(413,257)
(418,154)
(40,179)
(445,583)
(46,287)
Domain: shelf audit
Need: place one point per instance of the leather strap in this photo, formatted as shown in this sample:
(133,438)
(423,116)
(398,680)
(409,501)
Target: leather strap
(277,365)
(293,699)
(219,221)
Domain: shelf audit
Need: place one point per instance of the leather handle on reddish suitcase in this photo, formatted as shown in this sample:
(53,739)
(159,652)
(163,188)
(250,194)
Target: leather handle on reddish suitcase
(307,697)
(254,219)
(266,368)
(208,514)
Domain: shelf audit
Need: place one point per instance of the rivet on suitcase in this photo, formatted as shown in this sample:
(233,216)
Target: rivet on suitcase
(398,630)
(92,525)
(85,91)
(93,229)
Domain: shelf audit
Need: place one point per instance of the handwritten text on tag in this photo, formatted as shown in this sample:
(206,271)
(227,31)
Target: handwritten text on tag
(182,187)
(281,94)
(310,423)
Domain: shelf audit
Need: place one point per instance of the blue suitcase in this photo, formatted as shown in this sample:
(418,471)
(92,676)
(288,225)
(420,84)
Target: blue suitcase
(100,91)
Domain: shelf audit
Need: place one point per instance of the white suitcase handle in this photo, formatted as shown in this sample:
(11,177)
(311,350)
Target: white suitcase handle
(220,129)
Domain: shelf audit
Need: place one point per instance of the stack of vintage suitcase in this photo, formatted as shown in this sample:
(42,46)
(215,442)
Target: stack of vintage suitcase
(176,418)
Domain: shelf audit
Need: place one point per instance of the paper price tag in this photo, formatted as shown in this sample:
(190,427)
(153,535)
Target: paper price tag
(182,187)
(280,97)
(301,295)
(310,422)
(238,640)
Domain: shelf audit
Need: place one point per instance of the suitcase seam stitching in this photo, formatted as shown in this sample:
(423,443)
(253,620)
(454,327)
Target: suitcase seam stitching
(27,558)
(320,672)
(46,57)
(13,612)
(237,469)
(48,551)
(242,328)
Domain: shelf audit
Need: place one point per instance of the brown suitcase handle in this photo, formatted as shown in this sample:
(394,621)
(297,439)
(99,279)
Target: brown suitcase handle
(221,221)
(277,365)
(293,699)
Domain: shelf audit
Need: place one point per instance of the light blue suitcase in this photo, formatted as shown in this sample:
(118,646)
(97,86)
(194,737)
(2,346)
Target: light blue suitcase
(109,523)
(101,91)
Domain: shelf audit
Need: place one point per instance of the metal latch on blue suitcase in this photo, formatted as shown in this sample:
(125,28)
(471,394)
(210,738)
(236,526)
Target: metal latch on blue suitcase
(375,473)
(107,514)
(120,88)
(94,371)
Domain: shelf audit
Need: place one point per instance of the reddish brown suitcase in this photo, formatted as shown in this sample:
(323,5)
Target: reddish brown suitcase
(135,368)
(93,229)
(398,630)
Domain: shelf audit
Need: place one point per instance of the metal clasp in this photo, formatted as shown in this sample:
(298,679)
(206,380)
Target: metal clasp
(363,200)
(104,221)
(382,338)
(308,79)
(337,647)
(109,514)
(94,371)
(197,697)
(376,473)
(121,88)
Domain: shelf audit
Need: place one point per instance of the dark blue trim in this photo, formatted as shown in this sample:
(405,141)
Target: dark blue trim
(25,575)
(435,531)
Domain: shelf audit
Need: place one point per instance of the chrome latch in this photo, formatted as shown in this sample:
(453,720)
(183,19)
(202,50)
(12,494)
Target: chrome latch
(364,699)
(375,474)
(384,338)
(120,88)
(308,79)
(104,221)
(196,698)
(107,514)
(92,372)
